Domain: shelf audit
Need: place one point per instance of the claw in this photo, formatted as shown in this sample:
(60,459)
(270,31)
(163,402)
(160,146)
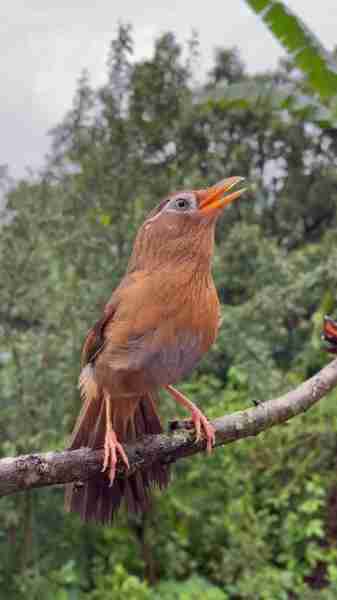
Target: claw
(203,428)
(112,448)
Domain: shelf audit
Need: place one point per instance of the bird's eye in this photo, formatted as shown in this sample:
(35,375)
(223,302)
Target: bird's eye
(182,203)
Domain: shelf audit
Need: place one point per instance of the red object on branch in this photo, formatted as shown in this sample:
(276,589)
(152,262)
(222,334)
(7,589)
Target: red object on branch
(330,334)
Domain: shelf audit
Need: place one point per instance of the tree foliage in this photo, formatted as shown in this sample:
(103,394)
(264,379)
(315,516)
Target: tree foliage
(264,524)
(305,49)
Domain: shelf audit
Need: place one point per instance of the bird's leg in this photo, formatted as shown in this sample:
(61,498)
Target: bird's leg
(112,447)
(201,423)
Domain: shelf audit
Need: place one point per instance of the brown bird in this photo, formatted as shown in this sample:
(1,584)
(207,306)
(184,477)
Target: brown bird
(161,319)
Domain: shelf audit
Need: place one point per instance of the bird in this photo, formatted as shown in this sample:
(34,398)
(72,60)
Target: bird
(159,322)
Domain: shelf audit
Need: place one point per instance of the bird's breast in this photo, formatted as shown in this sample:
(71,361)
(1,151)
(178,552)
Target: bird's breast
(160,341)
(176,360)
(181,342)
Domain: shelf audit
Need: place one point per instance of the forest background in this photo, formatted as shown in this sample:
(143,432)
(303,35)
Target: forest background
(257,519)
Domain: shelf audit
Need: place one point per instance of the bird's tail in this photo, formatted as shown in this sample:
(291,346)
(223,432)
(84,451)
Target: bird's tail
(94,500)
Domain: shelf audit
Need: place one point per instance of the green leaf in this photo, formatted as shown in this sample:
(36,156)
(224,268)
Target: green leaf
(305,49)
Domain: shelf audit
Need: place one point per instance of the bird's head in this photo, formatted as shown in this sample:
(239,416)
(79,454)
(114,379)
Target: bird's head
(181,227)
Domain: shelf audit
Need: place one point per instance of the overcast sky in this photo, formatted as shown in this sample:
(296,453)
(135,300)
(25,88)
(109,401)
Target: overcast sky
(44,45)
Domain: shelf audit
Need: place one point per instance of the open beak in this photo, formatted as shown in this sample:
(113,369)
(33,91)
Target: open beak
(217,197)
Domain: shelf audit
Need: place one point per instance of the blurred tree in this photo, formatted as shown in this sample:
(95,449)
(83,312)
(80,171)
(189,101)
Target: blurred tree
(261,527)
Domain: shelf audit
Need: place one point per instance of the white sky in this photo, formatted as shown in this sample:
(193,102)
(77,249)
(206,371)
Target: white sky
(44,45)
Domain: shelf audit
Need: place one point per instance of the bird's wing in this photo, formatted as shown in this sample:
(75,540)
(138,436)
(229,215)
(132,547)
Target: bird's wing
(96,337)
(94,341)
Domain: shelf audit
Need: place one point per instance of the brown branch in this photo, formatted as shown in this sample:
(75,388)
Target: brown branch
(51,468)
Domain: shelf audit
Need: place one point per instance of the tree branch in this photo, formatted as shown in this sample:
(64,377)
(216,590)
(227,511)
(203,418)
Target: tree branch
(51,468)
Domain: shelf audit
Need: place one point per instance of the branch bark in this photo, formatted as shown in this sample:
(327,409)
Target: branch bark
(52,468)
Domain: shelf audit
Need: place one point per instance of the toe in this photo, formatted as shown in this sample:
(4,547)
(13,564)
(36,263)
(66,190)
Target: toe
(106,459)
(210,436)
(210,444)
(112,473)
(123,455)
(197,425)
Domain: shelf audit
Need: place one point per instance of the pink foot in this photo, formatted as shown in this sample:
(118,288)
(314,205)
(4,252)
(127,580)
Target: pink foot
(203,428)
(202,425)
(112,448)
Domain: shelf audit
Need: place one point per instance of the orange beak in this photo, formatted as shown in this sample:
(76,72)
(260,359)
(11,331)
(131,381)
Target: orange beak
(216,197)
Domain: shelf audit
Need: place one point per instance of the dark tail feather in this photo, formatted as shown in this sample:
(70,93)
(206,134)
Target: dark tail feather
(94,500)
